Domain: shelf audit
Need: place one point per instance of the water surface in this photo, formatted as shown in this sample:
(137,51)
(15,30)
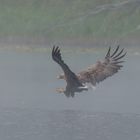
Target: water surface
(31,109)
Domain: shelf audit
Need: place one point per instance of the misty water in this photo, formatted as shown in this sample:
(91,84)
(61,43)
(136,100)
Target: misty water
(30,108)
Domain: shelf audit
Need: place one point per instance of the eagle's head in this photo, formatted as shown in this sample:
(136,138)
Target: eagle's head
(61,76)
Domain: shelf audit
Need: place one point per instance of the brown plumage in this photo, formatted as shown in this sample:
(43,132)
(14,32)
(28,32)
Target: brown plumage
(93,74)
(73,83)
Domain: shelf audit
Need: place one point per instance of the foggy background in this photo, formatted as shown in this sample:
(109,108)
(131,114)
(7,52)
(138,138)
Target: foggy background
(74,23)
(30,108)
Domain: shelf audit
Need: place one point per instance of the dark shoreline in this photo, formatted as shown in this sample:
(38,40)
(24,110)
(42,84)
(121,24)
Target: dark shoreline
(88,43)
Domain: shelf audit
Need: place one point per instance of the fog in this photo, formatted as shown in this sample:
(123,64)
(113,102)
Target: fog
(28,80)
(32,109)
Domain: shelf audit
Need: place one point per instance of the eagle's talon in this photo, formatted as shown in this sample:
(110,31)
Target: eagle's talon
(60,90)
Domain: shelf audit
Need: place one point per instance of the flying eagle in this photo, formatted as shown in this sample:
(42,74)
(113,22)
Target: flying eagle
(93,74)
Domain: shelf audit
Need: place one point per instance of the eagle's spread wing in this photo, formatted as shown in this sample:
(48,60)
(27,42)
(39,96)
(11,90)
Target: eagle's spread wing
(101,70)
(71,79)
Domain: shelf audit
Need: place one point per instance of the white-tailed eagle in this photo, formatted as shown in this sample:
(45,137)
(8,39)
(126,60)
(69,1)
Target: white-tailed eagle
(93,74)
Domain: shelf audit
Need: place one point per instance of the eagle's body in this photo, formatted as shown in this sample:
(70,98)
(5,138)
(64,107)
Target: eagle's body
(73,83)
(93,74)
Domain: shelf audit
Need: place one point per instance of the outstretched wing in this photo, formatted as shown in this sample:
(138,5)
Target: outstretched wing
(71,78)
(102,70)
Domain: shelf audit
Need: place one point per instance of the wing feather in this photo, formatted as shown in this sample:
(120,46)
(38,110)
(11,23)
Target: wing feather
(103,69)
(115,51)
(71,78)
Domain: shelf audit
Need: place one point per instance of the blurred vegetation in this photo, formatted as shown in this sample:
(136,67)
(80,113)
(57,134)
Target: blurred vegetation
(69,18)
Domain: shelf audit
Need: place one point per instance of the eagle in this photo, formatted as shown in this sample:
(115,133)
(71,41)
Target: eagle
(94,74)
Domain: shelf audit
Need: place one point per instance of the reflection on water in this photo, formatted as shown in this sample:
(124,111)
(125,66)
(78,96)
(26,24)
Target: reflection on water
(28,80)
(32,124)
